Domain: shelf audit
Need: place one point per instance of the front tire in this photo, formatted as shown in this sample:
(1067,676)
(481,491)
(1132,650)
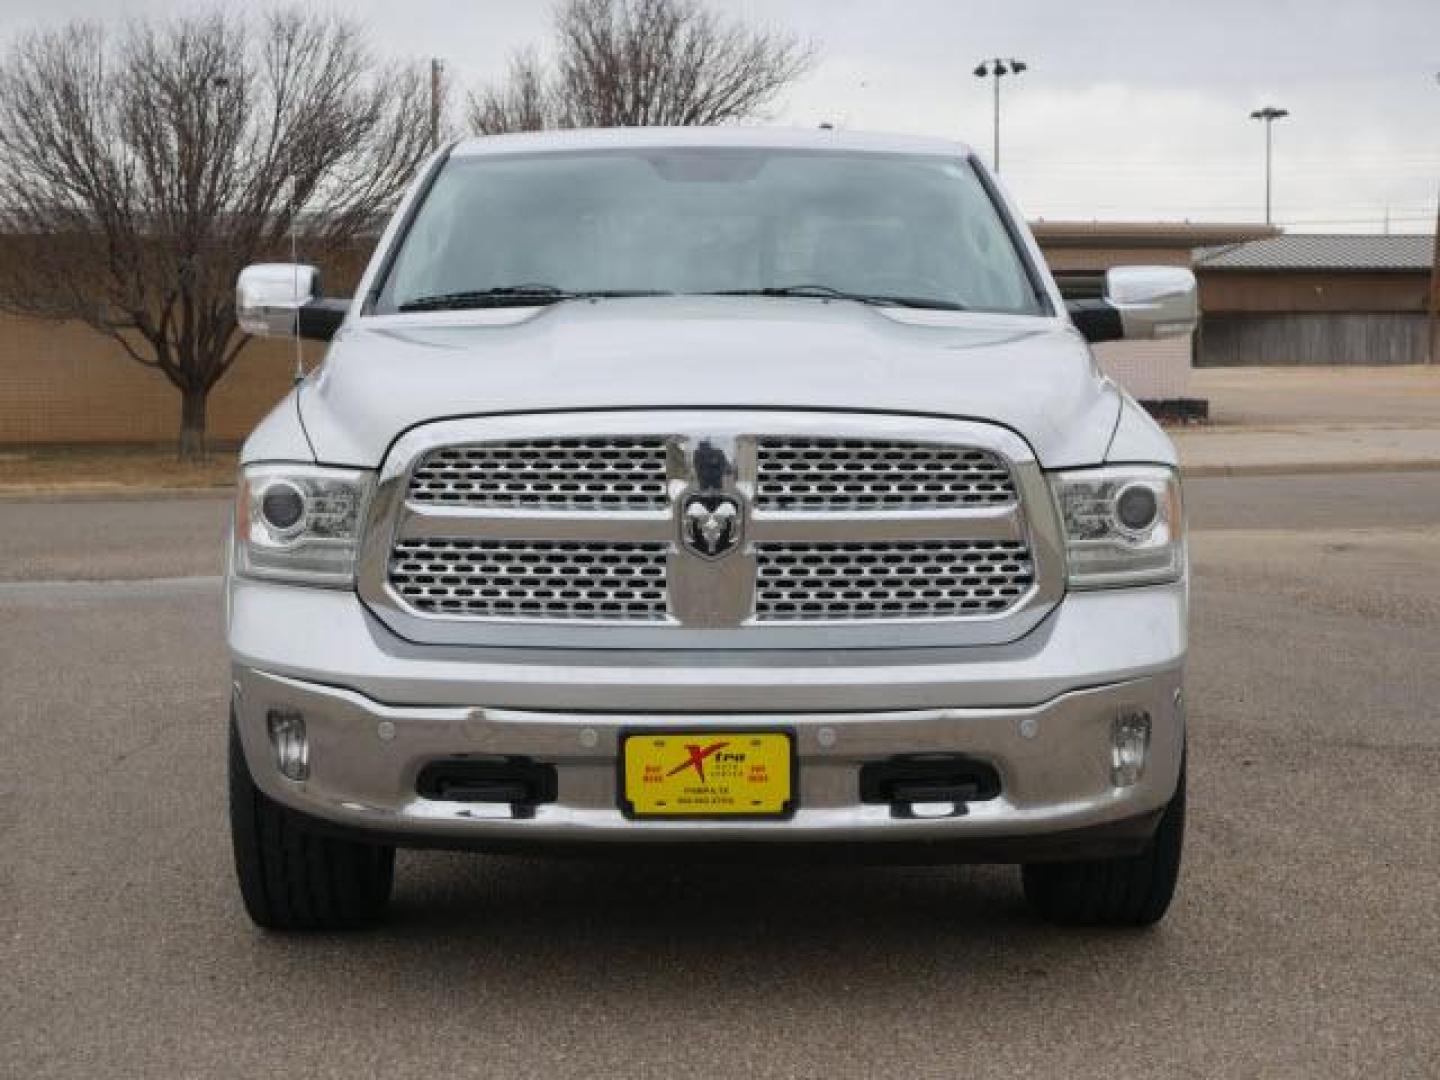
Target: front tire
(292,877)
(1133,891)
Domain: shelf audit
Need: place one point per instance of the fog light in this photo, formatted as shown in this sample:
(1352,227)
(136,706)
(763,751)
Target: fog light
(287,736)
(1129,745)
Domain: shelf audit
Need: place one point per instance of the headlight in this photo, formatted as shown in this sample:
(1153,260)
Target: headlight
(300,523)
(1123,525)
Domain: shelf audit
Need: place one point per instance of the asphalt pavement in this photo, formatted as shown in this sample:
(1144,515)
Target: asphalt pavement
(1305,940)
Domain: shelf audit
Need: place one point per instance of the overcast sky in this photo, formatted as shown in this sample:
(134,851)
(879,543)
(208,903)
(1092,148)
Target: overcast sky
(1130,110)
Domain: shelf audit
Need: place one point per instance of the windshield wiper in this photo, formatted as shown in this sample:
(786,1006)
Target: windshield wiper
(516,296)
(537,295)
(827,292)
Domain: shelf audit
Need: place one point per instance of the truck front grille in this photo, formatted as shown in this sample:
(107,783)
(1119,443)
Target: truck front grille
(720,528)
(863,474)
(554,474)
(889,580)
(535,579)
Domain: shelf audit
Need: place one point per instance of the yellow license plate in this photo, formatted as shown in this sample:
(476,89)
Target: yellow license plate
(707,774)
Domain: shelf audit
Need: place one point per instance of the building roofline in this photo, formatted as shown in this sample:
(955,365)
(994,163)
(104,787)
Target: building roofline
(1301,253)
(1209,268)
(1143,234)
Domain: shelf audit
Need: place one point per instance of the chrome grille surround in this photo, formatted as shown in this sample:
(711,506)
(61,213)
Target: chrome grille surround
(870,474)
(614,473)
(925,579)
(540,579)
(728,602)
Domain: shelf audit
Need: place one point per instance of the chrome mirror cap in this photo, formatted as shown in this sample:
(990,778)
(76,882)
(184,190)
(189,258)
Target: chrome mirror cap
(1153,301)
(269,296)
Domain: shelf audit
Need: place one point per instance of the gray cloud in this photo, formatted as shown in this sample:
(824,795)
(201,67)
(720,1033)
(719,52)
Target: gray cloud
(1131,109)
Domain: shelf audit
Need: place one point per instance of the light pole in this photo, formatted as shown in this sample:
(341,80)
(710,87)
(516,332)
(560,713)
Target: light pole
(1269,114)
(995,69)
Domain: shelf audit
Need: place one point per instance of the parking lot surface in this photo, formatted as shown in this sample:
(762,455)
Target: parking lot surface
(1305,940)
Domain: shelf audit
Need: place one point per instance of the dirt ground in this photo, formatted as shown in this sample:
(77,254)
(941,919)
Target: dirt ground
(65,469)
(1275,396)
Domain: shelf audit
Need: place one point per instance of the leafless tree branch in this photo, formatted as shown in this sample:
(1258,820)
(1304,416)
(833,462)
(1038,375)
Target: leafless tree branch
(632,63)
(141,170)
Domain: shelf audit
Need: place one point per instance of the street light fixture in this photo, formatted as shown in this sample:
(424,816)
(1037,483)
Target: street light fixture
(1269,114)
(995,69)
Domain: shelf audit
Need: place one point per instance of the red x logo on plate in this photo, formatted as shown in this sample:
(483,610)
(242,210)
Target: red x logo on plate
(696,761)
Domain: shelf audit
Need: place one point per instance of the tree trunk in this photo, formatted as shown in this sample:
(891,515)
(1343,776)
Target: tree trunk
(192,423)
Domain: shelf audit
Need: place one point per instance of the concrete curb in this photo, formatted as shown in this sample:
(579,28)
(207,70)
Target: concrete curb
(1311,468)
(87,589)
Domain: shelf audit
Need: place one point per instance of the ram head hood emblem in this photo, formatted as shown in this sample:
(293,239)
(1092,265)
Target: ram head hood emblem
(711,524)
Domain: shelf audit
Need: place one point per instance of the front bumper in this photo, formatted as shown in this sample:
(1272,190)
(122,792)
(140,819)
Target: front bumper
(1040,711)
(1053,760)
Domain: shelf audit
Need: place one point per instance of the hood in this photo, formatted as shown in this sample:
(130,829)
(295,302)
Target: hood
(384,375)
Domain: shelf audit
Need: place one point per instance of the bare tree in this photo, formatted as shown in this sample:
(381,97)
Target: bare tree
(634,63)
(140,172)
(525,102)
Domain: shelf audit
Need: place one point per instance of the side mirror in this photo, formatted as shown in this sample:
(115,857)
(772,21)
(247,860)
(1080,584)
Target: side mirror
(283,299)
(269,296)
(1141,303)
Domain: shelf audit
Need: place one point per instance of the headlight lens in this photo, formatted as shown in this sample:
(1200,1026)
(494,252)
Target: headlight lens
(1123,525)
(300,523)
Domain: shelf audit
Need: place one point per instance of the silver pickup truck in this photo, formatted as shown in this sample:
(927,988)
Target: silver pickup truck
(732,493)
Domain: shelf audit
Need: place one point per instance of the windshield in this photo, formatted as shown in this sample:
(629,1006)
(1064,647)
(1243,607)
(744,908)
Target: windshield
(543,227)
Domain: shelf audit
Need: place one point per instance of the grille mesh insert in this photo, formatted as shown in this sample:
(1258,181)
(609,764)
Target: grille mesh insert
(890,580)
(554,474)
(536,579)
(862,474)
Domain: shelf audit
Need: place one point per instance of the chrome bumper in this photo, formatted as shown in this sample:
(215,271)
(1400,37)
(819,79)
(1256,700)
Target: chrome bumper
(1053,760)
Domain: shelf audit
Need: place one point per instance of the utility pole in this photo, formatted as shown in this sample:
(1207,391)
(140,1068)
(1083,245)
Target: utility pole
(995,69)
(1269,114)
(1433,356)
(437,66)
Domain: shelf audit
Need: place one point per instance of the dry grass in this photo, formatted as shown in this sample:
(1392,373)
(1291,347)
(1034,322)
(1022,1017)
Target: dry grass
(109,468)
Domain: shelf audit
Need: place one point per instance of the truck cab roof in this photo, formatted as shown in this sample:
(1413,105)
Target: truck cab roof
(720,138)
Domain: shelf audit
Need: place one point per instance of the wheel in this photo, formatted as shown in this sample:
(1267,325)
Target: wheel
(292,877)
(1133,891)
